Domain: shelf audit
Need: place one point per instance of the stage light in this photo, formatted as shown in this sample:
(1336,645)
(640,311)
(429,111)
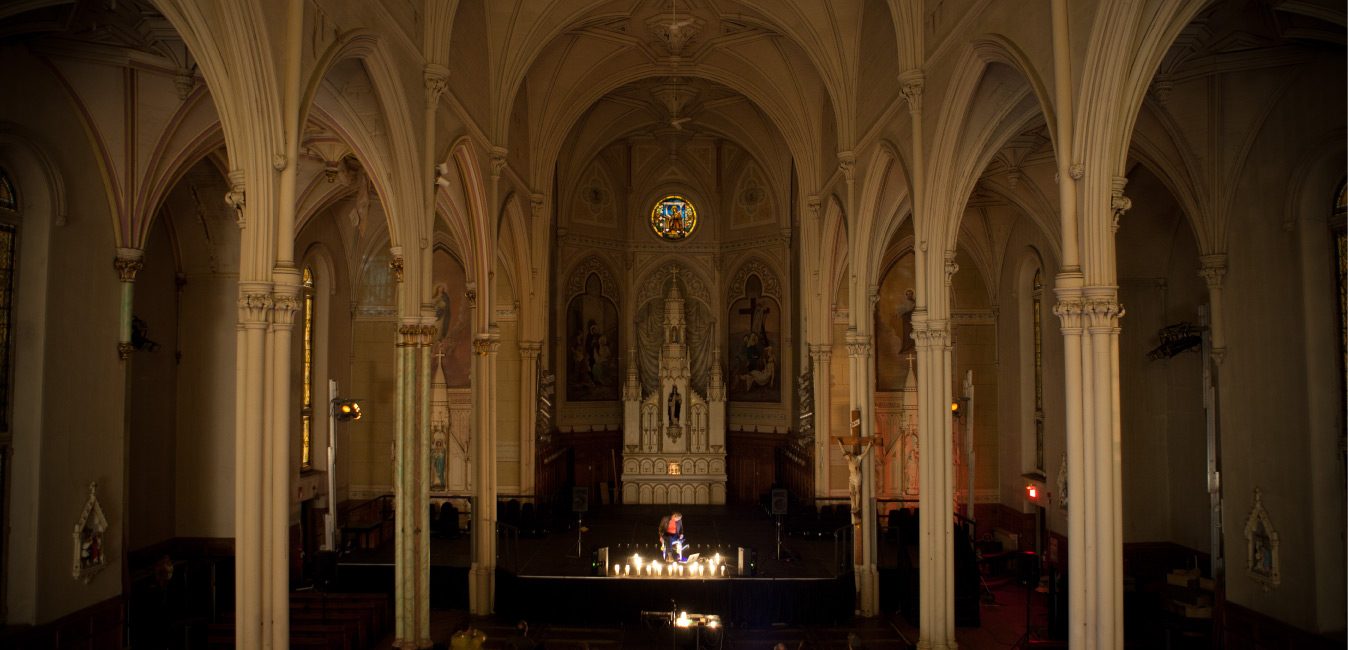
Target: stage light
(346,410)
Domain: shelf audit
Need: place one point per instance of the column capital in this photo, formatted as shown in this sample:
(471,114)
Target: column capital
(285,303)
(1212,269)
(529,350)
(255,304)
(931,334)
(847,161)
(813,202)
(486,344)
(498,161)
(858,345)
(821,352)
(128,263)
(1101,309)
(1119,203)
(951,268)
(1070,310)
(911,84)
(395,263)
(435,77)
(237,197)
(536,203)
(412,334)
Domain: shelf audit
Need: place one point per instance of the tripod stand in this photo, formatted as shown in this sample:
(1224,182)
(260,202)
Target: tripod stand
(580,535)
(1031,582)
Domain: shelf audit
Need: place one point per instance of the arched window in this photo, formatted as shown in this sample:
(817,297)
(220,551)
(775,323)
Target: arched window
(307,373)
(1029,294)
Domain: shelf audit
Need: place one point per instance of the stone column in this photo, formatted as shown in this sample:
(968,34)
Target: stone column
(255,306)
(529,355)
(820,359)
(128,263)
(412,485)
(935,473)
(1213,271)
(1102,311)
(863,400)
(276,467)
(1070,311)
(482,572)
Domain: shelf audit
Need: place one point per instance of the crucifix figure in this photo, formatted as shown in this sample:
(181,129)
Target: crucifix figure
(854,456)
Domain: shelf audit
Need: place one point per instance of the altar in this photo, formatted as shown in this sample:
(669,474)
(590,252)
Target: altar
(674,437)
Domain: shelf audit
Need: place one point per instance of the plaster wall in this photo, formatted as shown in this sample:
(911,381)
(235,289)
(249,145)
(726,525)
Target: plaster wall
(80,434)
(152,416)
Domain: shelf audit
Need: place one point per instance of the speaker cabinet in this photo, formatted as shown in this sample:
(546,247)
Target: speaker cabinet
(580,499)
(780,502)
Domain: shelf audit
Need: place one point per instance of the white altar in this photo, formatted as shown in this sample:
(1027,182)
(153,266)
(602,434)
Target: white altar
(674,438)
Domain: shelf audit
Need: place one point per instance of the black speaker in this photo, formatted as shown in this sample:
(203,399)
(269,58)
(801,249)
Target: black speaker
(780,501)
(580,499)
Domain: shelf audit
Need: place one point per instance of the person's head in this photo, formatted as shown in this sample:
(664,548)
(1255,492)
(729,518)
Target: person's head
(675,517)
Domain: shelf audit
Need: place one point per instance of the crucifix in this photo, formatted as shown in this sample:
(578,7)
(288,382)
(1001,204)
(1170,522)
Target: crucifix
(854,453)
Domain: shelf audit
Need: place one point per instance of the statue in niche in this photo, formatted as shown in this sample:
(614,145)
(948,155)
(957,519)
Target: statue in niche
(91,555)
(675,402)
(438,454)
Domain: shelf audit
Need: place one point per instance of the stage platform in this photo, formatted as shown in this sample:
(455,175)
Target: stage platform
(556,577)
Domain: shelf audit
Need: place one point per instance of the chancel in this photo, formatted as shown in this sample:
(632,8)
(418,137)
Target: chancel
(926,315)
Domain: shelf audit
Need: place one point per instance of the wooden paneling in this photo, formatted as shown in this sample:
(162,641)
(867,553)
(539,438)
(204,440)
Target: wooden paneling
(751,465)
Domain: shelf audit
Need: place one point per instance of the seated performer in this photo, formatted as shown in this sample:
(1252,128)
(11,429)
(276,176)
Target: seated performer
(671,537)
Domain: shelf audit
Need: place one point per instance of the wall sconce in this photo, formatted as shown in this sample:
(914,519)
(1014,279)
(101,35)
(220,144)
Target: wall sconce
(345,410)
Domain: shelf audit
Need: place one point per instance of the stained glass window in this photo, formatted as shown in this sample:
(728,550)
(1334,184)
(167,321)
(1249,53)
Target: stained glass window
(673,218)
(307,410)
(8,199)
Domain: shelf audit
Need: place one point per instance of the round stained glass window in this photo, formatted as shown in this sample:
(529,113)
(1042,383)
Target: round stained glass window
(673,218)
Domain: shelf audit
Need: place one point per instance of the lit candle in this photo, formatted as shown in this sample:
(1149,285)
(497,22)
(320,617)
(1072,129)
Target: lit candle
(615,570)
(627,570)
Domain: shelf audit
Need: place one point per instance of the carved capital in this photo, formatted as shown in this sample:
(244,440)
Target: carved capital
(536,204)
(1161,88)
(1117,201)
(471,295)
(931,334)
(951,268)
(1077,171)
(124,350)
(911,84)
(1213,270)
(128,263)
(821,353)
(858,345)
(529,350)
(414,335)
(236,197)
(254,307)
(847,161)
(485,344)
(395,262)
(284,305)
(1102,313)
(435,77)
(498,161)
(813,202)
(1070,313)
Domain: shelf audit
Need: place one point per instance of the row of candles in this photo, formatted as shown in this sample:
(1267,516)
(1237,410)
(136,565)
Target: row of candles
(708,568)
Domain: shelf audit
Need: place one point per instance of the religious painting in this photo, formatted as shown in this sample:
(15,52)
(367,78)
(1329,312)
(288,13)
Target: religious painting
(755,330)
(673,218)
(894,324)
(1261,546)
(592,345)
(451,347)
(91,554)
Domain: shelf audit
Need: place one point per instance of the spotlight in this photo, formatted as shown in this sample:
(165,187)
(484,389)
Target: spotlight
(345,410)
